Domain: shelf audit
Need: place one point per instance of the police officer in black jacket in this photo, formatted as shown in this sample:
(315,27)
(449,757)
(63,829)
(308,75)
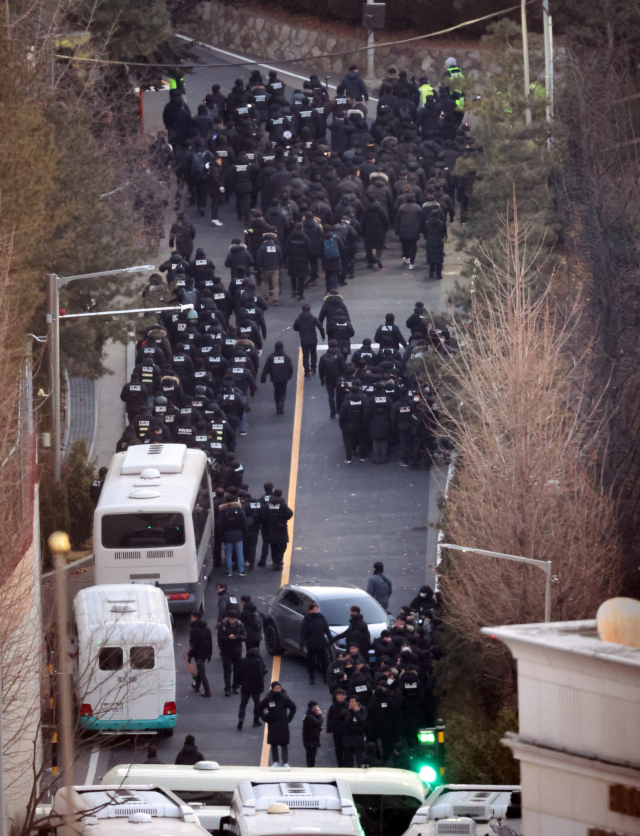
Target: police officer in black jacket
(252,674)
(96,486)
(389,335)
(280,368)
(306,325)
(354,420)
(316,636)
(200,650)
(135,395)
(404,421)
(331,367)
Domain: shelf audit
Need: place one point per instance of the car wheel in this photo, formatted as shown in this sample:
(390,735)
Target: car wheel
(165,733)
(272,639)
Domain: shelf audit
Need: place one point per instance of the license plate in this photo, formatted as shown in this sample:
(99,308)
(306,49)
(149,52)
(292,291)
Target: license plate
(148,583)
(111,709)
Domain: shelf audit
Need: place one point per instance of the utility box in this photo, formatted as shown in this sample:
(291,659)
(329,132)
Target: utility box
(373,15)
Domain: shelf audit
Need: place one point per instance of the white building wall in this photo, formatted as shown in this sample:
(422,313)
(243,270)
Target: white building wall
(579,728)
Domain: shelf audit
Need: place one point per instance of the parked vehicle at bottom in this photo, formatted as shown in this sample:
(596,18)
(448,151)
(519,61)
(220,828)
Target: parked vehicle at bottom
(119,811)
(469,810)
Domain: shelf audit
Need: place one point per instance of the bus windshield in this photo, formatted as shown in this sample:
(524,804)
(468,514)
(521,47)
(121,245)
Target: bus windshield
(142,531)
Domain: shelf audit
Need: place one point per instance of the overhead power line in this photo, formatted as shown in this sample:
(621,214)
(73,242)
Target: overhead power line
(312,59)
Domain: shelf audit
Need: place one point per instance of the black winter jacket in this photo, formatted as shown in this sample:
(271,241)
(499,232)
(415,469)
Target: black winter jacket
(252,620)
(238,256)
(252,672)
(279,366)
(306,325)
(200,641)
(314,632)
(331,365)
(357,632)
(355,726)
(333,305)
(231,646)
(297,251)
(277,710)
(231,522)
(389,335)
(276,513)
(311,729)
(189,755)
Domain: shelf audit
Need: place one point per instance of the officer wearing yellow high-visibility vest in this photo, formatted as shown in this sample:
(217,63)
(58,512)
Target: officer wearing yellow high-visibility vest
(177,83)
(452,72)
(425,90)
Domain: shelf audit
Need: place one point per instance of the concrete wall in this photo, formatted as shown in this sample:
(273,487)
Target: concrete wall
(22,658)
(247,32)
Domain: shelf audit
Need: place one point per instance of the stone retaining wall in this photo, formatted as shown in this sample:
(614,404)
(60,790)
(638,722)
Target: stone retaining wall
(244,31)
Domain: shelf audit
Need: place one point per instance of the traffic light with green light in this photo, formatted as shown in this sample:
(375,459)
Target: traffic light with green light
(430,760)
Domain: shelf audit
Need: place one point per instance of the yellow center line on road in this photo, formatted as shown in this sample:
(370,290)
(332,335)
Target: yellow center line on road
(291,500)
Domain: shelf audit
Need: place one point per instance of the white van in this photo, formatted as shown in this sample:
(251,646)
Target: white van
(113,811)
(278,807)
(385,798)
(154,522)
(124,667)
(470,810)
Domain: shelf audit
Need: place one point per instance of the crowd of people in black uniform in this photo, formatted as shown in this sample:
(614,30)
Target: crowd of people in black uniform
(324,180)
(197,369)
(382,691)
(311,178)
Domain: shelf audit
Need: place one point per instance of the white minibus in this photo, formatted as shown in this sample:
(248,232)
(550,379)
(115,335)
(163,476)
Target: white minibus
(385,798)
(470,810)
(124,669)
(114,811)
(154,523)
(279,807)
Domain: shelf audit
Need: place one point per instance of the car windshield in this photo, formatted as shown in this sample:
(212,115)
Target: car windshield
(336,610)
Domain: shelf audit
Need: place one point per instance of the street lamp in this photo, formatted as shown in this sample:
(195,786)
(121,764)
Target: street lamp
(60,546)
(545,565)
(53,319)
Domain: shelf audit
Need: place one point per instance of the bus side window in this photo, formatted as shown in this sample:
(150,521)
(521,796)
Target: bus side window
(201,510)
(370,812)
(110,658)
(397,812)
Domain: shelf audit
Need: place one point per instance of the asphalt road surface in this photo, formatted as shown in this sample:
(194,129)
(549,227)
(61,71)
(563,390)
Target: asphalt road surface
(346,516)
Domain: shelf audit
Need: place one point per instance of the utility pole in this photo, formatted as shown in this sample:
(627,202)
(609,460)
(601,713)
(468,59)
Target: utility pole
(371,72)
(525,58)
(548,57)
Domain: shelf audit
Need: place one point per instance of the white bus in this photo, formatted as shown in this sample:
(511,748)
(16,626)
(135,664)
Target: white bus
(470,810)
(279,807)
(154,523)
(386,799)
(114,811)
